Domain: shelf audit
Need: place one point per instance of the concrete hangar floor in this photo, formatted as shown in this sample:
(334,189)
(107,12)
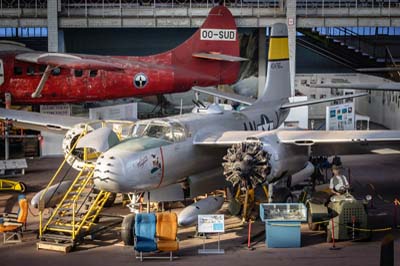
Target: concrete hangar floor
(108,248)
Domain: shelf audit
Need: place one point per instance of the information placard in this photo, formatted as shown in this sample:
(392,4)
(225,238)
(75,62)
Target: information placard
(340,117)
(211,223)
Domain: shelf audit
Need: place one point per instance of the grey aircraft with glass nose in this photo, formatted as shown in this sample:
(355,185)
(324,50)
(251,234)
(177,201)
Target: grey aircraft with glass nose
(162,153)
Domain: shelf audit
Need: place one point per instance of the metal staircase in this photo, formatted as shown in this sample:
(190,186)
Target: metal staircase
(337,49)
(75,215)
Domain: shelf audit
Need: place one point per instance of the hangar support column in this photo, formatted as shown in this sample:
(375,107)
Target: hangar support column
(262,58)
(52,25)
(291,23)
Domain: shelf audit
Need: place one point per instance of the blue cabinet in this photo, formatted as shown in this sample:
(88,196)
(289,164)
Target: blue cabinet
(283,224)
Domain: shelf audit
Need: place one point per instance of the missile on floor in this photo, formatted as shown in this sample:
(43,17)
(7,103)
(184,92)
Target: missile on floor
(52,196)
(209,205)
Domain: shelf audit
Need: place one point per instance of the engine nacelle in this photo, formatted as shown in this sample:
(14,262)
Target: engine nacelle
(70,138)
(284,159)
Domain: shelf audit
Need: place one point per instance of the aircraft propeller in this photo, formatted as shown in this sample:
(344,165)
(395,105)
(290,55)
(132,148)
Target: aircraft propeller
(246,164)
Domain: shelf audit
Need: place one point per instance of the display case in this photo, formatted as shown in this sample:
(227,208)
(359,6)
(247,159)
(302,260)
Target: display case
(283,224)
(283,212)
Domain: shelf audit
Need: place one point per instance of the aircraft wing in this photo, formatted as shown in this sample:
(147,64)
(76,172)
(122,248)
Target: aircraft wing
(321,142)
(219,57)
(317,101)
(249,101)
(344,141)
(226,138)
(41,122)
(389,86)
(225,95)
(68,61)
(378,69)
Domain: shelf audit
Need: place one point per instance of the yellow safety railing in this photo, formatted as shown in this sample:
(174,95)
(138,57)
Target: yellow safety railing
(88,170)
(55,212)
(41,208)
(97,204)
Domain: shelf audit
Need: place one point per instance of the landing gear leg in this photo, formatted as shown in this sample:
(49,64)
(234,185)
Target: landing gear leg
(270,192)
(245,206)
(133,205)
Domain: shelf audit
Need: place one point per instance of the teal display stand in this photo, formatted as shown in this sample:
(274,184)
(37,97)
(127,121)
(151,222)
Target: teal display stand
(283,224)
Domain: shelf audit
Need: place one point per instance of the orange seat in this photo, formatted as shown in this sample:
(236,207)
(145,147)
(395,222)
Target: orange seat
(166,231)
(11,227)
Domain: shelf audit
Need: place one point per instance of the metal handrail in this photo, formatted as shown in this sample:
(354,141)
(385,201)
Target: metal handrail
(51,183)
(41,230)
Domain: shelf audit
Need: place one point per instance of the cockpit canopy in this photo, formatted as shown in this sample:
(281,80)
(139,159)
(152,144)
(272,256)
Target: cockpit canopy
(161,129)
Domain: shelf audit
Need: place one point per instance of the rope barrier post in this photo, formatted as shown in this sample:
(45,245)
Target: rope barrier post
(249,236)
(395,206)
(333,236)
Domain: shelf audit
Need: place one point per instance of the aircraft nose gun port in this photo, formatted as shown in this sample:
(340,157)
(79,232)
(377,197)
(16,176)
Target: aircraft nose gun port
(107,173)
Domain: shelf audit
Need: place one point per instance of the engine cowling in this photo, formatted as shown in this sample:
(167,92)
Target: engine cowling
(246,164)
(263,160)
(70,138)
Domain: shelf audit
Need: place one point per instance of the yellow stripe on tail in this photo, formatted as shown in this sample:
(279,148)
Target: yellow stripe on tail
(278,49)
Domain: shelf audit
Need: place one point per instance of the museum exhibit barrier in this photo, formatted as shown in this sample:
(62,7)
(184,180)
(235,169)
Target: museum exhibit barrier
(12,224)
(283,224)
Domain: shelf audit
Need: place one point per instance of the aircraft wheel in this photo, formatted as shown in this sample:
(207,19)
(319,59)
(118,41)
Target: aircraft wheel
(110,200)
(128,229)
(282,195)
(235,206)
(328,236)
(23,187)
(311,225)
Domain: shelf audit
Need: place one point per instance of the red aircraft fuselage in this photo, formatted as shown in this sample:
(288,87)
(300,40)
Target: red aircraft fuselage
(84,77)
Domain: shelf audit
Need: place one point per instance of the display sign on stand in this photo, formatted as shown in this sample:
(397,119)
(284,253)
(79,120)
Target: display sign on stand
(211,223)
(340,117)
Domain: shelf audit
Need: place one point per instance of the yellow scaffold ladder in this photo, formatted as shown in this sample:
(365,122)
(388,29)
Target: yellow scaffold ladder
(75,214)
(77,211)
(81,205)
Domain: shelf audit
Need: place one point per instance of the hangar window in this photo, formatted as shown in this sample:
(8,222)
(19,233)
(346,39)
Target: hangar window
(30,70)
(56,71)
(78,73)
(93,73)
(322,96)
(312,96)
(17,70)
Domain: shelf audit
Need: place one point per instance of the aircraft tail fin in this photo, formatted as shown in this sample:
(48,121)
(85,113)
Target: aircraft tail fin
(212,52)
(277,85)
